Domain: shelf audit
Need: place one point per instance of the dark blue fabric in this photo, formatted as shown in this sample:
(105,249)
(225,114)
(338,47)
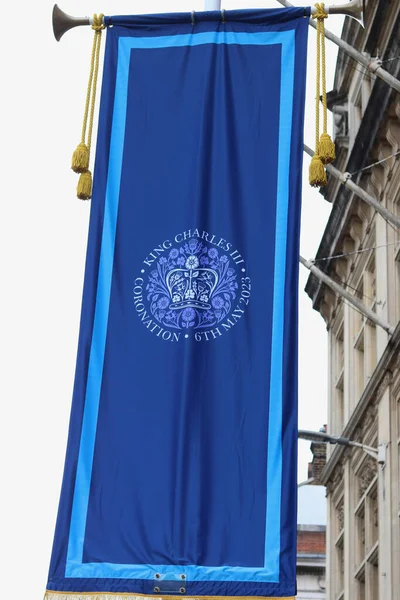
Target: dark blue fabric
(180,385)
(179,473)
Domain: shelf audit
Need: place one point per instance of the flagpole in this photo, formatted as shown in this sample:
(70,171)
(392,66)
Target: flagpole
(62,22)
(372,316)
(212,4)
(372,64)
(345,179)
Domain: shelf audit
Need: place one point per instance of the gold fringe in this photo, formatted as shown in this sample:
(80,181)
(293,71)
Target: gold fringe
(50,595)
(317,173)
(80,158)
(84,189)
(327,150)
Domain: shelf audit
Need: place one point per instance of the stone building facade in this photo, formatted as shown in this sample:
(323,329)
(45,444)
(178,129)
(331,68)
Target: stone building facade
(363,523)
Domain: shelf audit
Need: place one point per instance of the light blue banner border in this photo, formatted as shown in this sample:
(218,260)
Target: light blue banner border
(270,573)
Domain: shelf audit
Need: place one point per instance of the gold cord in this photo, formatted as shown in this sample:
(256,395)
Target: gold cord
(323,66)
(81,156)
(89,90)
(98,27)
(317,86)
(324,147)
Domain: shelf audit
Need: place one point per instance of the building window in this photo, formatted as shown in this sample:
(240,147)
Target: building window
(359,99)
(397,275)
(364,340)
(338,392)
(369,327)
(366,530)
(338,534)
(398,455)
(396,252)
(358,345)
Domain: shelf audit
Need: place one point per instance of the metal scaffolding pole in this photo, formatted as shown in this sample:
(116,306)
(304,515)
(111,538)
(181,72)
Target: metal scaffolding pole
(345,179)
(349,297)
(212,4)
(372,64)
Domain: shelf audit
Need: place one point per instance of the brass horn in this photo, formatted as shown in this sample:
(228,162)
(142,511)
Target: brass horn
(63,22)
(354,9)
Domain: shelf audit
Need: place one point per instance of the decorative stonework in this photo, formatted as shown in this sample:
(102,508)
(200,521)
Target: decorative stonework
(366,474)
(347,454)
(376,516)
(337,477)
(340,515)
(347,244)
(362,209)
(377,179)
(327,307)
(362,535)
(385,383)
(355,231)
(341,268)
(358,434)
(371,415)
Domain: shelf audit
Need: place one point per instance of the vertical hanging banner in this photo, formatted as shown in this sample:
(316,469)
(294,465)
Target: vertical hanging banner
(180,475)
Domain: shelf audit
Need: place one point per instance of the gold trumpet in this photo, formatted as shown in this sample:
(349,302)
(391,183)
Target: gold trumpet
(63,22)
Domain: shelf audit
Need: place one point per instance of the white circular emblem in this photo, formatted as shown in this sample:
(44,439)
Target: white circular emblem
(193,286)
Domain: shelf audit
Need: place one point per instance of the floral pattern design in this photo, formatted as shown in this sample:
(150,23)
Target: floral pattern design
(192,287)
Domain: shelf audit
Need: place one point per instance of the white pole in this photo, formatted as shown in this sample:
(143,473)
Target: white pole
(212,4)
(345,179)
(372,64)
(349,297)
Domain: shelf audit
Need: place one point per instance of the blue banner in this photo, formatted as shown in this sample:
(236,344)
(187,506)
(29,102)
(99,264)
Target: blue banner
(180,475)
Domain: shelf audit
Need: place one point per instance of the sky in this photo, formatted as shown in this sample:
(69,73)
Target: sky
(43,244)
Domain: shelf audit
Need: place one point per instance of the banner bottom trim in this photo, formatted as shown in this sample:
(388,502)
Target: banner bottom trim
(54,595)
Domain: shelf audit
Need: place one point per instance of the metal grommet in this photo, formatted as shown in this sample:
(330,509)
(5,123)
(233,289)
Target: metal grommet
(182,590)
(223,15)
(183,576)
(157,575)
(157,590)
(193,17)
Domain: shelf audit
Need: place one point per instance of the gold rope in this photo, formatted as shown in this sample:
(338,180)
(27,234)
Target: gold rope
(323,66)
(324,147)
(81,156)
(317,86)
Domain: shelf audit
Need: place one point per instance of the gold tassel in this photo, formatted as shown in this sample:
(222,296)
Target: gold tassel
(317,173)
(81,156)
(84,189)
(324,146)
(326,149)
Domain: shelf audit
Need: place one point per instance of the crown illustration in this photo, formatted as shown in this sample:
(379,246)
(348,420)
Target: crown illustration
(191,286)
